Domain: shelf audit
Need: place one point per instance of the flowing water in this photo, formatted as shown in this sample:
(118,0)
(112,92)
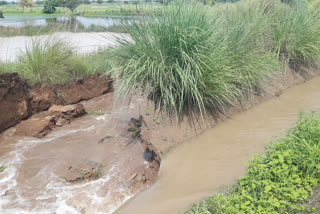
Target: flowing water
(209,162)
(33,180)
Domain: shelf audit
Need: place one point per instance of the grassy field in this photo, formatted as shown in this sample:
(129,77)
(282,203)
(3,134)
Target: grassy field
(117,9)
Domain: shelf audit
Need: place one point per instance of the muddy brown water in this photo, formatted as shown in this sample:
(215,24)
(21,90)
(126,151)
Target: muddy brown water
(210,162)
(33,180)
(193,171)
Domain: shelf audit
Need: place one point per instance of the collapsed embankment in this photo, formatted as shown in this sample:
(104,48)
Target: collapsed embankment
(107,146)
(18,101)
(158,135)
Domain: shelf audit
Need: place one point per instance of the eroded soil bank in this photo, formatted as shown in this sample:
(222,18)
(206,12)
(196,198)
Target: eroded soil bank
(18,101)
(42,175)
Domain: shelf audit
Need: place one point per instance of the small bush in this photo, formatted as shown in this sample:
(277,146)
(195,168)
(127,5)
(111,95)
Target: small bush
(49,61)
(186,61)
(296,37)
(279,181)
(1,15)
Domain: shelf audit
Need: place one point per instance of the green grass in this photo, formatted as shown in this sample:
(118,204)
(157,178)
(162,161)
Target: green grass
(296,37)
(187,61)
(279,181)
(52,61)
(120,9)
(194,59)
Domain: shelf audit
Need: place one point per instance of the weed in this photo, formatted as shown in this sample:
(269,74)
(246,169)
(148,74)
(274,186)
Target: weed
(97,112)
(2,168)
(279,181)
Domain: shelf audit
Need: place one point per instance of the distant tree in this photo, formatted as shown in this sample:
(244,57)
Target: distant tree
(71,4)
(208,2)
(49,6)
(99,1)
(86,2)
(3,3)
(26,3)
(1,15)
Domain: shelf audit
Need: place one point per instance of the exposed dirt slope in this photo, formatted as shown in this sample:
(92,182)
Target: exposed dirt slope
(18,101)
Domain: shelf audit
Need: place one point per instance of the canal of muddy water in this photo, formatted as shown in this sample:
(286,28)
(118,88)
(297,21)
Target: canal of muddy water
(210,162)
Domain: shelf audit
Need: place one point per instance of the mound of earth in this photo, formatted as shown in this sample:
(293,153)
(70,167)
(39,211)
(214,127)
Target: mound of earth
(18,101)
(42,96)
(39,125)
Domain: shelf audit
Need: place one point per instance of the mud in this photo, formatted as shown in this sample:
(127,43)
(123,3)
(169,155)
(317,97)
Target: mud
(42,175)
(18,101)
(129,152)
(14,105)
(39,125)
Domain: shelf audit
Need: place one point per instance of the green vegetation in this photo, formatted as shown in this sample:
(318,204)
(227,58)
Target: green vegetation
(1,15)
(93,9)
(26,3)
(279,181)
(290,30)
(201,59)
(61,26)
(50,5)
(2,168)
(52,61)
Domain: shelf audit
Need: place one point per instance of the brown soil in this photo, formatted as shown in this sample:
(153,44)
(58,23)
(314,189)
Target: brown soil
(18,101)
(166,134)
(43,96)
(312,205)
(39,125)
(14,105)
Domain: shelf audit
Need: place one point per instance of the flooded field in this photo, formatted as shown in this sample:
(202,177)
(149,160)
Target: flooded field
(73,24)
(83,43)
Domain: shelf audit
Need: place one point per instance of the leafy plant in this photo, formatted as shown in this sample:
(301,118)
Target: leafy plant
(279,181)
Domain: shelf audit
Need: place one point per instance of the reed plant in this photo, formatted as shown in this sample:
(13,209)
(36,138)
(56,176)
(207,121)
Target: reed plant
(296,34)
(189,61)
(46,61)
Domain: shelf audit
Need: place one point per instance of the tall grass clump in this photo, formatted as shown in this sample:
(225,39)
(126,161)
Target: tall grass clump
(278,182)
(49,61)
(187,61)
(296,36)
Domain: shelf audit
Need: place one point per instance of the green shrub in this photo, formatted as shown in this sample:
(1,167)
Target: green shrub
(186,61)
(296,36)
(49,61)
(1,15)
(279,181)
